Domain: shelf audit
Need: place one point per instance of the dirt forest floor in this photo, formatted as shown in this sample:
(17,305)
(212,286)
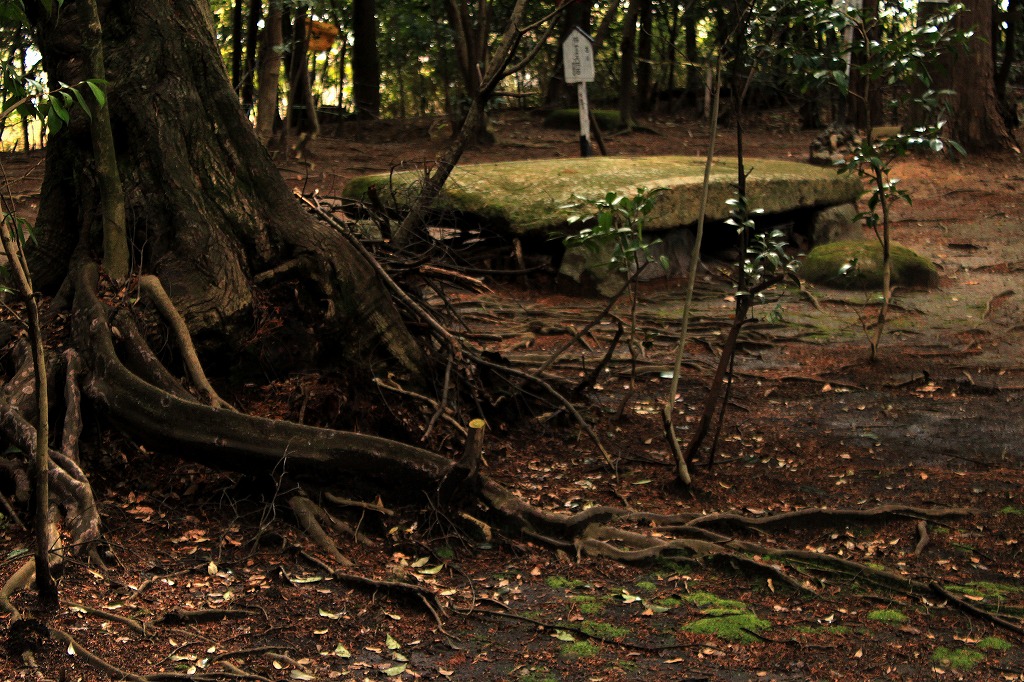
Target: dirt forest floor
(936,422)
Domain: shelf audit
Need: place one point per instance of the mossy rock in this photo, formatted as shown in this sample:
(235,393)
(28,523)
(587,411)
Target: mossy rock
(857,264)
(569,119)
(537,197)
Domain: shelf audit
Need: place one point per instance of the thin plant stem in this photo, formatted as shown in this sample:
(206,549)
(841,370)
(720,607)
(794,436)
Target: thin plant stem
(682,470)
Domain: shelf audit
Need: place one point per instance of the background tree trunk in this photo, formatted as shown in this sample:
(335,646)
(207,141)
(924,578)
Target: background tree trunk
(237,12)
(976,121)
(208,210)
(270,72)
(645,49)
(249,75)
(627,65)
(365,59)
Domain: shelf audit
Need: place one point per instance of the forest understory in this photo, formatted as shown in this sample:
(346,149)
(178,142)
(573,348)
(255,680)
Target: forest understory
(861,520)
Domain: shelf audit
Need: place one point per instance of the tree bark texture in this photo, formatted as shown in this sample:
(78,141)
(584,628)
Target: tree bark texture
(248,76)
(976,123)
(207,208)
(365,59)
(645,47)
(270,72)
(627,65)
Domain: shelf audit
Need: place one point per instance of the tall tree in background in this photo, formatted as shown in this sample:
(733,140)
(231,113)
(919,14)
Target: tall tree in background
(365,59)
(627,64)
(252,30)
(1008,22)
(645,51)
(237,14)
(269,72)
(976,121)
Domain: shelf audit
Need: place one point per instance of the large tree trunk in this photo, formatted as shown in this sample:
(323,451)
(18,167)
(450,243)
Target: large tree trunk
(208,212)
(976,122)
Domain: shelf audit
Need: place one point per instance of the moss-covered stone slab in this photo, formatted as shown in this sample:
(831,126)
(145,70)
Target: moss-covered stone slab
(535,197)
(857,264)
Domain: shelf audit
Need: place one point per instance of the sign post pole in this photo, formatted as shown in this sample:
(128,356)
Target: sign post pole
(581,94)
(578,60)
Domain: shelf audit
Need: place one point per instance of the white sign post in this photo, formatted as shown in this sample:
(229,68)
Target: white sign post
(578,60)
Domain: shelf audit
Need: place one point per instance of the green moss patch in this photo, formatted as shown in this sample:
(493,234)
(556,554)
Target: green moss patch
(557,582)
(569,119)
(726,619)
(857,264)
(959,659)
(888,616)
(737,628)
(994,644)
(713,605)
(587,604)
(582,649)
(538,196)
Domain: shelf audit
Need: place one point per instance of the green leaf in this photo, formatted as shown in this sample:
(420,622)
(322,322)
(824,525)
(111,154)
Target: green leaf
(59,109)
(563,636)
(341,652)
(392,643)
(97,92)
(81,102)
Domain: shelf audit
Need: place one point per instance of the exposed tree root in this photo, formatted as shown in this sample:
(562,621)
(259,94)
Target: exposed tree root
(130,623)
(92,659)
(975,611)
(20,580)
(308,514)
(150,285)
(187,617)
(235,441)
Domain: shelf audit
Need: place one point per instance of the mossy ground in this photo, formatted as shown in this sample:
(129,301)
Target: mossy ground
(581,649)
(726,619)
(888,616)
(958,659)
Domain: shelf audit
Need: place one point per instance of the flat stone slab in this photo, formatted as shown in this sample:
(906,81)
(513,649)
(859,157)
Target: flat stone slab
(534,197)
